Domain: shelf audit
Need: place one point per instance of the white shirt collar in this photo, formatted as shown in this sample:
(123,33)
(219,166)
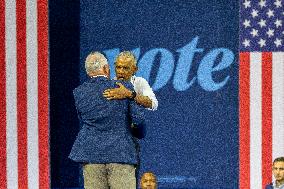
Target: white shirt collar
(280,187)
(98,76)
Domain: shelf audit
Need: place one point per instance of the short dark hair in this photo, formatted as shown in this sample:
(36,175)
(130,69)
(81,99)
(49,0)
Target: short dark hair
(279,159)
(150,173)
(127,54)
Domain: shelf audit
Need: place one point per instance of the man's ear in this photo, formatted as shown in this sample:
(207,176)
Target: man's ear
(106,70)
(135,68)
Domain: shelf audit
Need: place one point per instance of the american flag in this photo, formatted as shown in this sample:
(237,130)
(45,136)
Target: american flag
(24,148)
(261,90)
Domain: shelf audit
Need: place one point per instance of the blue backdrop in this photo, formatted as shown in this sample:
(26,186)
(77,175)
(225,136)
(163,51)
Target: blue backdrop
(188,51)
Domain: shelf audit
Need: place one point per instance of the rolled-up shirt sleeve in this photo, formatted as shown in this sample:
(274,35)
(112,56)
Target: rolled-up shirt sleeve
(142,87)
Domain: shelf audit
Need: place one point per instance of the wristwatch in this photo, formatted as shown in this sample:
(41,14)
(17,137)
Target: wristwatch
(133,95)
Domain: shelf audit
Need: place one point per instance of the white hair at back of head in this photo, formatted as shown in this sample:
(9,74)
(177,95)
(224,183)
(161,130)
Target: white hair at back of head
(95,61)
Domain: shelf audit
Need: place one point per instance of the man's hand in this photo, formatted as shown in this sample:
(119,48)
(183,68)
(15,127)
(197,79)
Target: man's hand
(117,93)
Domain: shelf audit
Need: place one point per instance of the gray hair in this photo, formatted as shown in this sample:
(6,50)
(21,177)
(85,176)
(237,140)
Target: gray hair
(127,54)
(95,61)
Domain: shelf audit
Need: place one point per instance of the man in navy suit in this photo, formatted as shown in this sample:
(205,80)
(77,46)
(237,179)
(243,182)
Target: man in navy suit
(104,144)
(278,173)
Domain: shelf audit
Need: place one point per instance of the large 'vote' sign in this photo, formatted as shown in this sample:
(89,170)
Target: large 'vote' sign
(208,66)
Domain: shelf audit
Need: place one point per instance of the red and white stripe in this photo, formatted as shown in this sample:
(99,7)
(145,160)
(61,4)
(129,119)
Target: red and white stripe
(261,100)
(24,133)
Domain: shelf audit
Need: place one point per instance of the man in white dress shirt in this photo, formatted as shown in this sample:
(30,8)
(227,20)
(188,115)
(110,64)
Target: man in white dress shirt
(125,68)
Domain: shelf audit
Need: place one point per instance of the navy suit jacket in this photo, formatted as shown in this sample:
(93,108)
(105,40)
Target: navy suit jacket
(105,136)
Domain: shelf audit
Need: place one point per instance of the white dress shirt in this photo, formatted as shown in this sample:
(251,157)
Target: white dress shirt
(280,187)
(142,87)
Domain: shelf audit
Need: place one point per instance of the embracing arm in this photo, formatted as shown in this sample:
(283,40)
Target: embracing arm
(122,92)
(143,100)
(144,96)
